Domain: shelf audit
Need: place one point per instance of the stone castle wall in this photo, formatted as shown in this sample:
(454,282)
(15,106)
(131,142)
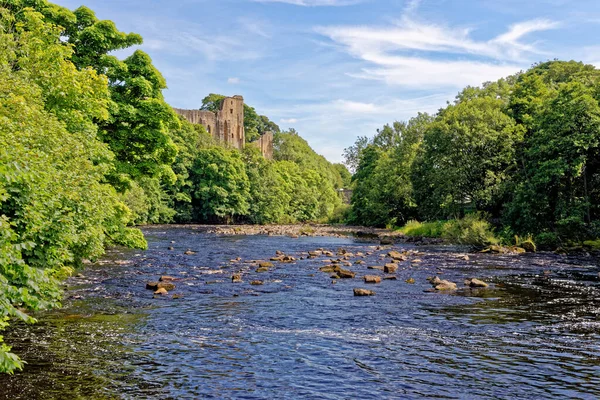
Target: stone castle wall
(265,144)
(227,125)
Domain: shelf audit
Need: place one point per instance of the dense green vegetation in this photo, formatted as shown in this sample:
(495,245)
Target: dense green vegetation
(524,151)
(89,148)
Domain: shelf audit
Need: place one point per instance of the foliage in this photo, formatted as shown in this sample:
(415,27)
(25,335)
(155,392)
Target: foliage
(55,207)
(467,155)
(383,191)
(471,230)
(346,176)
(525,150)
(290,146)
(221,186)
(414,228)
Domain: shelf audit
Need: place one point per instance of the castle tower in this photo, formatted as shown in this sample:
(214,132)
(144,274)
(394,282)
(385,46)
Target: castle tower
(230,122)
(227,125)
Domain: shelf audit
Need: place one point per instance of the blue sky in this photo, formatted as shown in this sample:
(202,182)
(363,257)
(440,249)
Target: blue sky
(337,69)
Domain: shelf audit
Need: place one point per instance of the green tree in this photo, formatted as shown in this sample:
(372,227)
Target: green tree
(383,192)
(221,187)
(467,157)
(54,207)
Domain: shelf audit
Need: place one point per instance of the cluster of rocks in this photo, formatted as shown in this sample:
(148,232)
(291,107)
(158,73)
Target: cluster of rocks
(527,247)
(337,264)
(445,285)
(163,286)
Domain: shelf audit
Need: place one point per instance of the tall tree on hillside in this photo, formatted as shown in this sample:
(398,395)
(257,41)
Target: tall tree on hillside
(557,189)
(467,157)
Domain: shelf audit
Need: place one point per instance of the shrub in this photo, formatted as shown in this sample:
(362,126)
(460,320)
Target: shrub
(547,240)
(471,230)
(426,229)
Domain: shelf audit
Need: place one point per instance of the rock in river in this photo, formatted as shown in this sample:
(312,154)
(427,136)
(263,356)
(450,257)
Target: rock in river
(363,292)
(442,284)
(345,274)
(372,279)
(265,265)
(390,268)
(236,278)
(158,285)
(161,291)
(396,255)
(476,283)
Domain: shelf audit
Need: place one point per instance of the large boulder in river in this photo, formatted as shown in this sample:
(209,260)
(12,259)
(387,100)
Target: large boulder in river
(363,292)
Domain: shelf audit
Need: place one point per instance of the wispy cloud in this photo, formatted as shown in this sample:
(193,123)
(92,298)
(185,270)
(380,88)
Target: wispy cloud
(233,81)
(183,38)
(415,53)
(288,120)
(314,3)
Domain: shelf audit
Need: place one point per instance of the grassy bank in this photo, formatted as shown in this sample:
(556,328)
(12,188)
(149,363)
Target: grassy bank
(471,230)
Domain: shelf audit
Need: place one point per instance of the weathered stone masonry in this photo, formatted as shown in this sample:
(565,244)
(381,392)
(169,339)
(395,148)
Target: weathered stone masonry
(227,125)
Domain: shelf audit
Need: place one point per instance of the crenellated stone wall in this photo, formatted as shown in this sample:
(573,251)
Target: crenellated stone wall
(227,125)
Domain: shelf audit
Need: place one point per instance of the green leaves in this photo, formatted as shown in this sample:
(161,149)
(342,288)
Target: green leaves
(221,187)
(55,207)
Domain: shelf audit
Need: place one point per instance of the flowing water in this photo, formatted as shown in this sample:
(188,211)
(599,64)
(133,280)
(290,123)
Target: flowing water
(535,333)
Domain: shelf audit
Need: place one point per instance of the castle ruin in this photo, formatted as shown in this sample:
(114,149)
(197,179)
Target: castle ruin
(227,125)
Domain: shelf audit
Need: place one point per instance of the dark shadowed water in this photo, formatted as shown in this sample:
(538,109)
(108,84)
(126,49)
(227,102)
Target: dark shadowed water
(534,333)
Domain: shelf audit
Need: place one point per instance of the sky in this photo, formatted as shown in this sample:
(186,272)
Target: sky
(338,69)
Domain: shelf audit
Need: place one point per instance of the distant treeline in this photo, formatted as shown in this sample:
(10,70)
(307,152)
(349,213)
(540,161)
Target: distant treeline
(89,148)
(524,152)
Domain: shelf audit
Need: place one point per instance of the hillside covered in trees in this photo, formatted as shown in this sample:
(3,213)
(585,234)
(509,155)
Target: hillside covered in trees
(89,148)
(523,152)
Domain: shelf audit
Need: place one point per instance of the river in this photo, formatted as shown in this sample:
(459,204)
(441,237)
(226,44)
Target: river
(534,333)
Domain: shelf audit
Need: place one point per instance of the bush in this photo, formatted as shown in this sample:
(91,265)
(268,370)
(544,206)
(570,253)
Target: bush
(427,229)
(548,241)
(471,230)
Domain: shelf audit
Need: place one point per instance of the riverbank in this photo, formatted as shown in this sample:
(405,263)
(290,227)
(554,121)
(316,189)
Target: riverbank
(381,235)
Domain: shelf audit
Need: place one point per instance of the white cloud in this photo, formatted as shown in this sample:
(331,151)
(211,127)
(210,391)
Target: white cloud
(408,34)
(424,73)
(420,54)
(233,81)
(288,120)
(314,3)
